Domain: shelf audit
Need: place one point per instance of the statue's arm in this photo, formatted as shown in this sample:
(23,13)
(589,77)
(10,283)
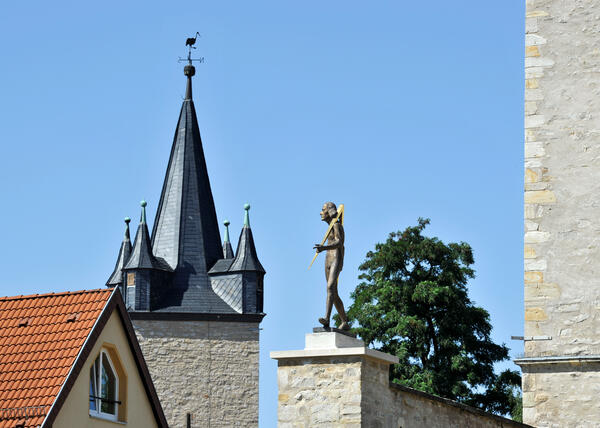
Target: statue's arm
(336,242)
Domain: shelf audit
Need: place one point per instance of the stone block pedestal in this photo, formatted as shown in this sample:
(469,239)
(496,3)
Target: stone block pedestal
(326,384)
(336,381)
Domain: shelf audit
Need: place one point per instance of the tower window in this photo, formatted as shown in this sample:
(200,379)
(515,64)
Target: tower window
(104,387)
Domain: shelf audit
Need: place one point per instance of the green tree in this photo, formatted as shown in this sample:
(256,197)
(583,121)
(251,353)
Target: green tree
(412,302)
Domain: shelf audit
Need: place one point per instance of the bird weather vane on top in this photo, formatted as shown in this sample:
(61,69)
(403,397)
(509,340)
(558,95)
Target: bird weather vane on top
(190,42)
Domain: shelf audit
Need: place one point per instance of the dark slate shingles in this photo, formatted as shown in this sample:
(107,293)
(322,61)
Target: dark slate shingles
(245,256)
(186,233)
(116,278)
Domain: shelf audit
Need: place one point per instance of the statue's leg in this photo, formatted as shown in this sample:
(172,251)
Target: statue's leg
(339,306)
(329,301)
(332,272)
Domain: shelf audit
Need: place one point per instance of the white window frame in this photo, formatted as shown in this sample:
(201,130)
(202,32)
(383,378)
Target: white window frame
(98,412)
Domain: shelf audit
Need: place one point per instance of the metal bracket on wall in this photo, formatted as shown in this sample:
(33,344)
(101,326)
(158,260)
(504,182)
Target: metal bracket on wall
(529,338)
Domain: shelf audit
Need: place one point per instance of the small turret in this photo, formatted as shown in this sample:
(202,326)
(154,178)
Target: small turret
(245,256)
(227,248)
(239,280)
(116,278)
(141,268)
(141,255)
(246,262)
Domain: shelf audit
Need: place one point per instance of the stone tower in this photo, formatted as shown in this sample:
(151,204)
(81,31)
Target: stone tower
(195,305)
(561,364)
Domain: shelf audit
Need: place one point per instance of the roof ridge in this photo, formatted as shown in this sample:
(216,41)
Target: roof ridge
(62,293)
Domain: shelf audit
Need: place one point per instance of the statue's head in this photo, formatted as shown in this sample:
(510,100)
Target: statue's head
(329,211)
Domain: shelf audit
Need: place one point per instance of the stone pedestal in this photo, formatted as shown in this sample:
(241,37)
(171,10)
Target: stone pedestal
(326,384)
(335,381)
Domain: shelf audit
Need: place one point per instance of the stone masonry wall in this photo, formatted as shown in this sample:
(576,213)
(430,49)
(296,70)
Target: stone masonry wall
(206,368)
(562,395)
(354,391)
(319,392)
(562,197)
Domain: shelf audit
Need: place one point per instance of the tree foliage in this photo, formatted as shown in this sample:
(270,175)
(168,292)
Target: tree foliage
(412,302)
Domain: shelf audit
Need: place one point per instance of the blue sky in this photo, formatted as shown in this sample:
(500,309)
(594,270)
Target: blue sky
(396,109)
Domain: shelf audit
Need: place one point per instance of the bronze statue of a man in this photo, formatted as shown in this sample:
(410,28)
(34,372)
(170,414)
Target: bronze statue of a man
(334,261)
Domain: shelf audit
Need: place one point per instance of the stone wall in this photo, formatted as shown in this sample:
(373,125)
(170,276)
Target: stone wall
(561,395)
(562,184)
(348,386)
(319,392)
(206,368)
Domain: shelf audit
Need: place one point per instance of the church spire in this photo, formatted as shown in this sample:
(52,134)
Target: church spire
(186,233)
(183,267)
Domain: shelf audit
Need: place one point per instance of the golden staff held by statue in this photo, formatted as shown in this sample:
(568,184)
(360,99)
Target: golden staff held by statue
(334,260)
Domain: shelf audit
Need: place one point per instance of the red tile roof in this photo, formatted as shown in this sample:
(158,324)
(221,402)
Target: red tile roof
(40,338)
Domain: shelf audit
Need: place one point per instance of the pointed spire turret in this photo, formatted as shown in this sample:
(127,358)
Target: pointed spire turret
(141,254)
(245,256)
(116,278)
(142,269)
(186,232)
(227,248)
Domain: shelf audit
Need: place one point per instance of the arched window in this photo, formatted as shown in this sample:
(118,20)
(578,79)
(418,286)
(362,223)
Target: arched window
(104,387)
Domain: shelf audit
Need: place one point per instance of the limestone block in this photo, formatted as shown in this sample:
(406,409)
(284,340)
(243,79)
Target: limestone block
(534,40)
(529,252)
(531,25)
(534,149)
(541,290)
(536,186)
(531,225)
(530,107)
(538,62)
(569,307)
(577,319)
(528,400)
(535,237)
(533,163)
(330,341)
(532,83)
(528,383)
(534,95)
(535,13)
(530,135)
(534,277)
(533,211)
(535,314)
(531,176)
(540,197)
(532,51)
(534,72)
(535,265)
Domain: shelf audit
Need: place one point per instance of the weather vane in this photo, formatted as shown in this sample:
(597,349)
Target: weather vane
(190,42)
